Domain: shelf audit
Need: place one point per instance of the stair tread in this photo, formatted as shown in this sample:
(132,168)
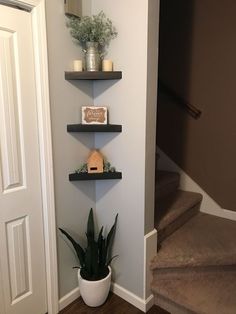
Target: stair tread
(173,206)
(204,240)
(203,293)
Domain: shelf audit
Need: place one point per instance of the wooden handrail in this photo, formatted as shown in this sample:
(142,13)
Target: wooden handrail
(192,110)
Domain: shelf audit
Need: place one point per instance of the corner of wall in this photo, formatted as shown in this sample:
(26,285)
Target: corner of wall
(151,112)
(128,94)
(72,200)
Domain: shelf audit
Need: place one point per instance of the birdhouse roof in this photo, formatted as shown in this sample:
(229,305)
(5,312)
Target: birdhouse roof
(95,156)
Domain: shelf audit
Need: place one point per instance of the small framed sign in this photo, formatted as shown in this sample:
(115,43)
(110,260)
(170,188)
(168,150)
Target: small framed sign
(94,115)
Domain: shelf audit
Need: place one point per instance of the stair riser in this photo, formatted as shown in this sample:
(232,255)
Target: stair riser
(170,306)
(176,224)
(203,265)
(173,273)
(167,189)
(166,183)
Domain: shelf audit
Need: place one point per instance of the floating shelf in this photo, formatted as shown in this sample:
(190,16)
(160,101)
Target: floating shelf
(94,128)
(95,176)
(93,75)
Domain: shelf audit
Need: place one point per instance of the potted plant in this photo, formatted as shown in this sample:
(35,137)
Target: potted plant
(94,273)
(93,34)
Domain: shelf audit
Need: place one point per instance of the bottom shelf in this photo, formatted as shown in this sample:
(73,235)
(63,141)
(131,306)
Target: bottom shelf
(95,176)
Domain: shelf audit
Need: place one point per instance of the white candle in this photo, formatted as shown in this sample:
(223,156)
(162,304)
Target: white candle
(107,65)
(78,65)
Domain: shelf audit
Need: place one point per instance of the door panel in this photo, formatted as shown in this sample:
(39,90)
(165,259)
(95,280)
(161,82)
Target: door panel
(11,161)
(22,258)
(19,258)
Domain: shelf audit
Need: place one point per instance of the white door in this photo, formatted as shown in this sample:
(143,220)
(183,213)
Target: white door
(22,256)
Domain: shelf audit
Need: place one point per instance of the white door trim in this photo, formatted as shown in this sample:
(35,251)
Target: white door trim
(45,144)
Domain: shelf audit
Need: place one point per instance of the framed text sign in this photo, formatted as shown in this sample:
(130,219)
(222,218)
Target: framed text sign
(94,115)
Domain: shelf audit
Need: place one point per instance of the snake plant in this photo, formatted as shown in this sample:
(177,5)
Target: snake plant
(95,258)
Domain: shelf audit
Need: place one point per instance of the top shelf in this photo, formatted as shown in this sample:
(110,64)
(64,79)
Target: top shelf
(93,75)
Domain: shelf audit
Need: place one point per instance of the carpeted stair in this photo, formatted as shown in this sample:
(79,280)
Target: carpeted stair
(173,207)
(194,270)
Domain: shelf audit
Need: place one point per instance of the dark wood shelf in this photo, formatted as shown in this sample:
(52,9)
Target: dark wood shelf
(94,128)
(95,176)
(93,75)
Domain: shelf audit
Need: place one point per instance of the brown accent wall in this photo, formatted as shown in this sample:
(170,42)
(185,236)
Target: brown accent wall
(198,61)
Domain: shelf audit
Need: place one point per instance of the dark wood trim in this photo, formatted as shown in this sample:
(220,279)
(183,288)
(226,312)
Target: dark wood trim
(93,75)
(191,109)
(95,176)
(94,128)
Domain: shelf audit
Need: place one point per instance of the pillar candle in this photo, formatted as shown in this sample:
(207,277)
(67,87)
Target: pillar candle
(78,66)
(107,65)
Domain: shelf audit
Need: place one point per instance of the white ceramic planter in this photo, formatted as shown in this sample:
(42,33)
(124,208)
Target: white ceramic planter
(94,293)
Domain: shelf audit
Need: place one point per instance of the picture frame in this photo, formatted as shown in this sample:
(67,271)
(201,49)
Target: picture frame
(94,115)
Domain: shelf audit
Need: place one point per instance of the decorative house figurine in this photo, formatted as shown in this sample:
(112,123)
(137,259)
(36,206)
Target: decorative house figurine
(95,162)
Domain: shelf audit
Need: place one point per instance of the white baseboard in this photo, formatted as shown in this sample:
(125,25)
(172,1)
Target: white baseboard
(208,205)
(142,304)
(150,250)
(170,306)
(220,212)
(69,298)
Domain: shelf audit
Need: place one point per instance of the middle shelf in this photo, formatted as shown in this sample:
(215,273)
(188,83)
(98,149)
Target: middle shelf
(94,128)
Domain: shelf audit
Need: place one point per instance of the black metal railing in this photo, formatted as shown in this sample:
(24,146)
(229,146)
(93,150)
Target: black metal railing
(191,109)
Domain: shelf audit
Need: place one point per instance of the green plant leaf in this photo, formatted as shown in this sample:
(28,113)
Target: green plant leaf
(102,252)
(90,226)
(110,260)
(88,261)
(96,28)
(79,251)
(100,237)
(94,259)
(103,271)
(84,274)
(101,242)
(111,234)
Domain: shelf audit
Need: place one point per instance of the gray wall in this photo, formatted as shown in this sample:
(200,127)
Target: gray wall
(127,103)
(73,201)
(150,158)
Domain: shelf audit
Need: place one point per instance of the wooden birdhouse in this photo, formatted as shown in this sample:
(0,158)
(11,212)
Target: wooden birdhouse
(95,162)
